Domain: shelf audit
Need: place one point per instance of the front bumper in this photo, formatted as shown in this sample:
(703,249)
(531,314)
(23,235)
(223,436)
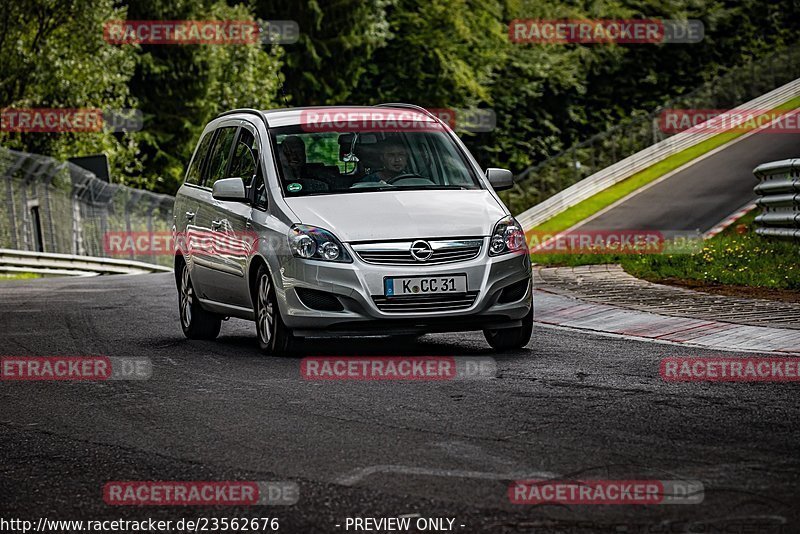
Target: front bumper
(355,284)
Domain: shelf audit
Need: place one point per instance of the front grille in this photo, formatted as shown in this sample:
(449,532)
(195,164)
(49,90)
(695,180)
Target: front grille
(425,303)
(399,253)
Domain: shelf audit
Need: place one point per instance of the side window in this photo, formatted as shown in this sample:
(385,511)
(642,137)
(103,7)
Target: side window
(244,157)
(220,154)
(260,198)
(193,174)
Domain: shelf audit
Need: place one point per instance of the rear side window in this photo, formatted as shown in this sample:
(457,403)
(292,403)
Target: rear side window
(244,157)
(193,174)
(261,190)
(220,155)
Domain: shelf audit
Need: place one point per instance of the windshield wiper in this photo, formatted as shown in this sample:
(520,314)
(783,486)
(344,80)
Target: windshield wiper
(422,187)
(406,188)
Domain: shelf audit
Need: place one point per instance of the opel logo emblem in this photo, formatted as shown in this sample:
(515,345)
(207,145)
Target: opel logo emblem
(421,250)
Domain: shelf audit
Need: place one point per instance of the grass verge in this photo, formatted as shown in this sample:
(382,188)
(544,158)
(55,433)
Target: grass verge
(19,276)
(729,263)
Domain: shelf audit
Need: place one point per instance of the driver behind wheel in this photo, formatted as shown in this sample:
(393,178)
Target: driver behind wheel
(394,158)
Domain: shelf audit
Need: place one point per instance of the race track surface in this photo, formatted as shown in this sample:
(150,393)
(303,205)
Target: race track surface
(703,194)
(571,405)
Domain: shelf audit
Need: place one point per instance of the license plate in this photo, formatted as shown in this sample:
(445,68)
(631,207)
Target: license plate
(425,285)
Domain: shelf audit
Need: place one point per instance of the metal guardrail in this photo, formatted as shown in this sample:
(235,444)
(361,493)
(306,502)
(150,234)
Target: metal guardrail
(641,160)
(51,206)
(779,197)
(21,261)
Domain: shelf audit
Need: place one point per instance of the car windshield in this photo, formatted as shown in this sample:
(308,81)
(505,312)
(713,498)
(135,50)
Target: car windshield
(339,162)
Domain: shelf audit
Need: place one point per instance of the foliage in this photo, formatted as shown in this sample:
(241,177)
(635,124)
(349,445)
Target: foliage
(52,55)
(182,87)
(336,46)
(435,53)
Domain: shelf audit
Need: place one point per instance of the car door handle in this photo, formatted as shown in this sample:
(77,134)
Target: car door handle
(190,215)
(216,224)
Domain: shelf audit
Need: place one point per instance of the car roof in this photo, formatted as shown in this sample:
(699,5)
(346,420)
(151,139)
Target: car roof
(304,115)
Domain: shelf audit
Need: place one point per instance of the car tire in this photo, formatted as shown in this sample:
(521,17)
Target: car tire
(196,322)
(511,338)
(274,338)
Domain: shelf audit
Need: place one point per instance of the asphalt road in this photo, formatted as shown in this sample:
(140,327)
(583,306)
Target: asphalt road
(570,405)
(705,193)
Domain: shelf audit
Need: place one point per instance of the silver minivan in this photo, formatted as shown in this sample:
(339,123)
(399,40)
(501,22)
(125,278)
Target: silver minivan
(321,222)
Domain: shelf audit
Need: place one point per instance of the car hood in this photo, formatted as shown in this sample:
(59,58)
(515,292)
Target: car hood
(388,215)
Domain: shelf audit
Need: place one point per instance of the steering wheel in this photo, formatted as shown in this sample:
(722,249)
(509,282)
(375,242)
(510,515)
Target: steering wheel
(406,175)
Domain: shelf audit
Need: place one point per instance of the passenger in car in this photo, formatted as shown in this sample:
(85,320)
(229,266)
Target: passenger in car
(292,155)
(394,158)
(293,150)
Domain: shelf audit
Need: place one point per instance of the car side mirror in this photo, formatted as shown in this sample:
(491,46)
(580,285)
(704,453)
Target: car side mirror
(501,179)
(229,189)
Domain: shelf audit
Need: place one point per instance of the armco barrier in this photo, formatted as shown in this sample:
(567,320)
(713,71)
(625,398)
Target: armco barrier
(20,261)
(52,206)
(779,196)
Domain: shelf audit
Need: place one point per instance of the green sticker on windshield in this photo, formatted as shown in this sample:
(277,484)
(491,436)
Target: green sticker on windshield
(294,187)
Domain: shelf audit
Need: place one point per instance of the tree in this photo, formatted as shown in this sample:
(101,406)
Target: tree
(52,55)
(182,87)
(336,46)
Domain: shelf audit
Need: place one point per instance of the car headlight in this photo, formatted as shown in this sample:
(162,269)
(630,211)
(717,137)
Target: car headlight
(314,243)
(507,236)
